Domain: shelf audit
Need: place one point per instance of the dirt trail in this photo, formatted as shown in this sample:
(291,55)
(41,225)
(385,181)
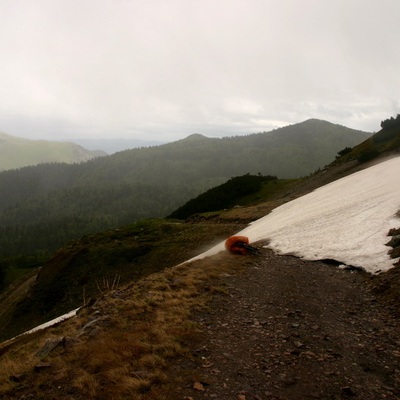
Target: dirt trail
(292,329)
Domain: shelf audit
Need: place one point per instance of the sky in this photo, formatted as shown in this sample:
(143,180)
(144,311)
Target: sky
(347,220)
(164,69)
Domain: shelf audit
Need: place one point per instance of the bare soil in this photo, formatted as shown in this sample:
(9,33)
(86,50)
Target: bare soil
(286,328)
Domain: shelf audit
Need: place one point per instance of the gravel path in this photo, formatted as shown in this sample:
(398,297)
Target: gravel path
(293,329)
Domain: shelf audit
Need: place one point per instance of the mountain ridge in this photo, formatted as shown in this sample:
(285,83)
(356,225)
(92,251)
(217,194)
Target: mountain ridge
(71,200)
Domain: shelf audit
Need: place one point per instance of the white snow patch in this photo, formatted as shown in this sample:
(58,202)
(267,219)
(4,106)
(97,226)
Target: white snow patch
(346,220)
(53,321)
(47,324)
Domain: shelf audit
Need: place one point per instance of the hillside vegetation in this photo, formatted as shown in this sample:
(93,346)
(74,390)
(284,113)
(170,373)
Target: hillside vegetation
(17,152)
(223,196)
(43,207)
(136,320)
(77,271)
(80,270)
(386,141)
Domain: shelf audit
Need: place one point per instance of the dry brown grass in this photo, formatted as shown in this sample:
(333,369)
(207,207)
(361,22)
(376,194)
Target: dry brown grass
(146,325)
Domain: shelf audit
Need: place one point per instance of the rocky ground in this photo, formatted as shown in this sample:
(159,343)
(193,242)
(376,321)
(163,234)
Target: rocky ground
(285,328)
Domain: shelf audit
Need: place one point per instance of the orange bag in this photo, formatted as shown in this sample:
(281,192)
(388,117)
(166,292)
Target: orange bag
(237,244)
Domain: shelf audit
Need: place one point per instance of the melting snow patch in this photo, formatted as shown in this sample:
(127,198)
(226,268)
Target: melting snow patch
(48,324)
(346,220)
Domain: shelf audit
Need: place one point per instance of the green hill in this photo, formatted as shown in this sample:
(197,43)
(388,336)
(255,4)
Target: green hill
(17,152)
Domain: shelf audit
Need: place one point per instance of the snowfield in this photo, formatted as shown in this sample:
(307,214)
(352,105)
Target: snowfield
(347,220)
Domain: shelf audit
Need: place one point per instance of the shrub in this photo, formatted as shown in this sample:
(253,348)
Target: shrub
(343,152)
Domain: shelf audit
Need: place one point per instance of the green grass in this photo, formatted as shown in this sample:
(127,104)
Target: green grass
(269,190)
(385,141)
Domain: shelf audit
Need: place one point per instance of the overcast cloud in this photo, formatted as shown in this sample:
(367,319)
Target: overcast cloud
(163,69)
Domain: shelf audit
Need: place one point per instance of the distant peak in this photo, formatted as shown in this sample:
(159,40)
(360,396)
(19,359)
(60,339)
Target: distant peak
(196,136)
(316,120)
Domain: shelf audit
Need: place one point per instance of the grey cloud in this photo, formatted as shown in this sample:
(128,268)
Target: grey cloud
(165,69)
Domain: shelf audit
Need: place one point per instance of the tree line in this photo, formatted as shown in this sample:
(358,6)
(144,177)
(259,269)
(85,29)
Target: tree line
(223,196)
(391,122)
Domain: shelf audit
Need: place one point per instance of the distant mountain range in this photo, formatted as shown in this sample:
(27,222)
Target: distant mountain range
(16,152)
(44,206)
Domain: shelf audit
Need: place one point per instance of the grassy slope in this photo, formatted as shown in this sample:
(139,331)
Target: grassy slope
(82,269)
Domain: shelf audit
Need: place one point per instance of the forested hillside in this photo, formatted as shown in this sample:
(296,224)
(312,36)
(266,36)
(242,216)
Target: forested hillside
(42,207)
(16,152)
(223,196)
